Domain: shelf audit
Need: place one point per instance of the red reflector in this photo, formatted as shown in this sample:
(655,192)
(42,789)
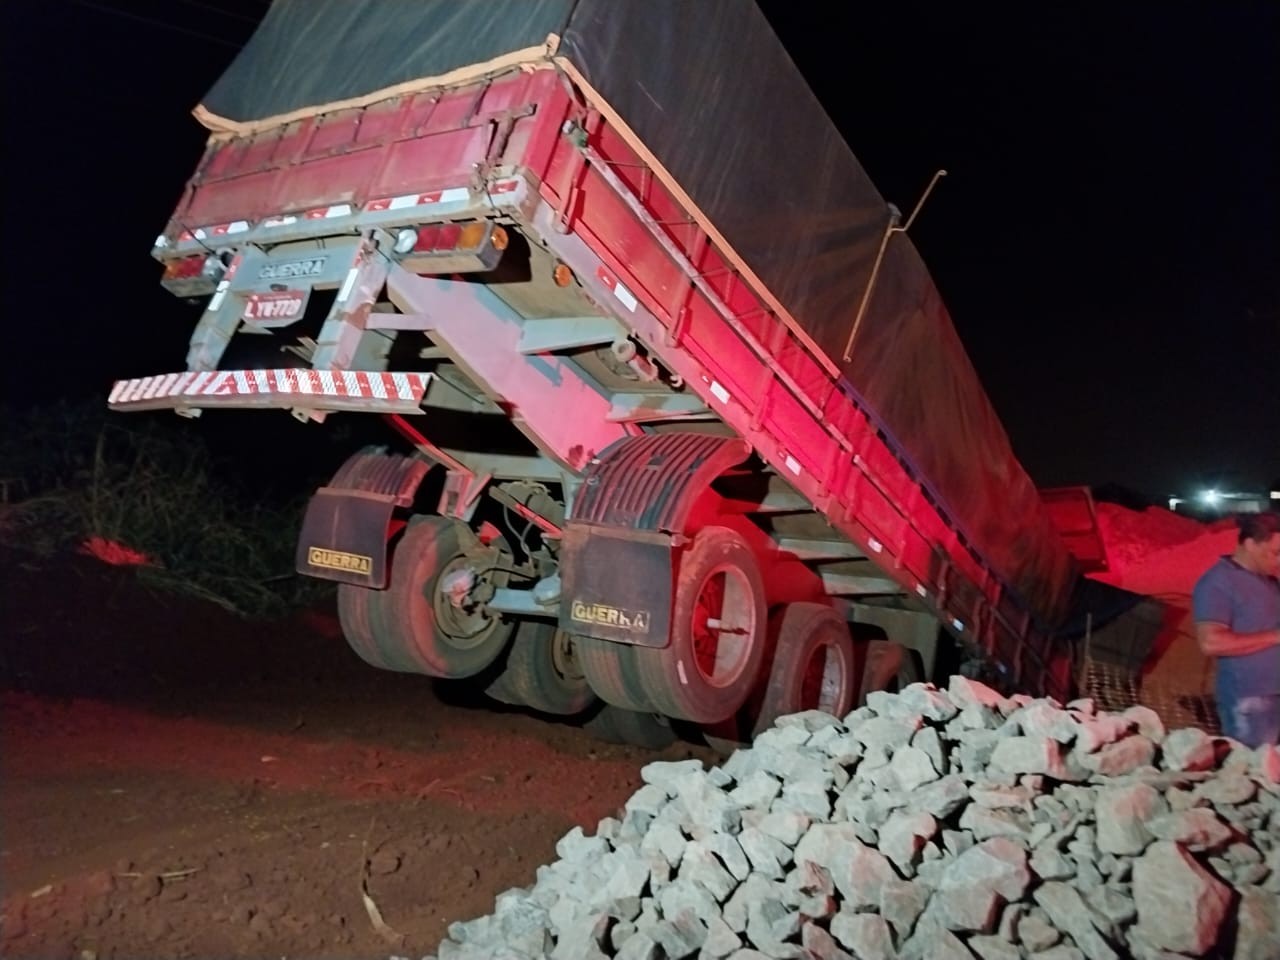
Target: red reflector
(447,237)
(184,269)
(428,237)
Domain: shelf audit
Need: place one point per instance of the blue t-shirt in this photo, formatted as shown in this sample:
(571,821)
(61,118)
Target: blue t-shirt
(1244,602)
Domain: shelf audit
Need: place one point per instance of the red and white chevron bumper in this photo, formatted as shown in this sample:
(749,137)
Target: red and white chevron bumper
(357,390)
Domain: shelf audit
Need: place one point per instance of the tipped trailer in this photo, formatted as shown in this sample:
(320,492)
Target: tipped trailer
(677,418)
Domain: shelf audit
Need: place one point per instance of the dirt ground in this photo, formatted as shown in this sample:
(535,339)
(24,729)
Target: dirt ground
(176,782)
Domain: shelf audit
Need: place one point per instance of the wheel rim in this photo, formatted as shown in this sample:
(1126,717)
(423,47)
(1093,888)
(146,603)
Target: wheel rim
(820,684)
(464,627)
(564,659)
(723,625)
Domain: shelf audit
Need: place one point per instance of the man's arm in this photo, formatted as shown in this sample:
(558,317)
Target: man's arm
(1219,640)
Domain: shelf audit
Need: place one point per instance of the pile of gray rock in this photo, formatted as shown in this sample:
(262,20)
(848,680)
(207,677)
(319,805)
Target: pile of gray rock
(926,825)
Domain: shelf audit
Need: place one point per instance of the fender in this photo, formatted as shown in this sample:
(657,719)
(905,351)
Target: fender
(620,553)
(348,523)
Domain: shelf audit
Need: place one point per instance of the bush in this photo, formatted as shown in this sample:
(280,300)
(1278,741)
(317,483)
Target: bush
(75,472)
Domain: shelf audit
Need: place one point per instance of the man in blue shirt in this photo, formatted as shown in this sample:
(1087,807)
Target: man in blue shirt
(1236,605)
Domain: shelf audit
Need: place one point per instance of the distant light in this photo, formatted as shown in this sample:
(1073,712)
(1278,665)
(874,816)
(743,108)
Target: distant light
(1275,494)
(1210,497)
(1174,501)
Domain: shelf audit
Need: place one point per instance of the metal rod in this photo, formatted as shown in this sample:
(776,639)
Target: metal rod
(890,229)
(426,446)
(923,197)
(866,294)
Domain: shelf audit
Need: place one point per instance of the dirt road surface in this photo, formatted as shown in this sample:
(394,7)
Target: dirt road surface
(176,782)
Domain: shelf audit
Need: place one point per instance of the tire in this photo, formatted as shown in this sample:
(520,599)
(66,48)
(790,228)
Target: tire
(912,669)
(630,728)
(891,667)
(813,666)
(718,632)
(353,615)
(416,627)
(542,672)
(612,673)
(885,662)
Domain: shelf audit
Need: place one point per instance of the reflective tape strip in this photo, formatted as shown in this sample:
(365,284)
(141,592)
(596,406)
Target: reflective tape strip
(197,383)
(283,221)
(329,213)
(406,201)
(348,283)
(354,384)
(219,294)
(165,384)
(625,296)
(618,289)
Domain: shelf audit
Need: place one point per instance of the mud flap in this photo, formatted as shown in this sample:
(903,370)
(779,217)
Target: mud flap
(345,530)
(344,537)
(617,584)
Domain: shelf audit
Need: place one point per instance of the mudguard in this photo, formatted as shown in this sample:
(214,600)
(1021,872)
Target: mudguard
(347,523)
(617,584)
(620,550)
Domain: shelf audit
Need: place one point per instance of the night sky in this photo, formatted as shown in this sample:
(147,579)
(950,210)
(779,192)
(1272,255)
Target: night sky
(1106,239)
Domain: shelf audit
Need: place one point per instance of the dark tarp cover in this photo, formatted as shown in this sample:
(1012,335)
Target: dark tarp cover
(708,89)
(307,53)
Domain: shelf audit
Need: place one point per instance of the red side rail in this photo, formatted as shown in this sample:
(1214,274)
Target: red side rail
(417,143)
(786,398)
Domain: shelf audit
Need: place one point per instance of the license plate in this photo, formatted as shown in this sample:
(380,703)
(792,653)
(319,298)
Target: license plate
(275,308)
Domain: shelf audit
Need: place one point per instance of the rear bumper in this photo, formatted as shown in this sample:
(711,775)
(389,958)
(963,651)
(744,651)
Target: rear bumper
(327,390)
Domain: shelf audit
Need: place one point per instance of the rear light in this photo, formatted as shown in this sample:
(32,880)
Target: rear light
(185,269)
(196,276)
(451,247)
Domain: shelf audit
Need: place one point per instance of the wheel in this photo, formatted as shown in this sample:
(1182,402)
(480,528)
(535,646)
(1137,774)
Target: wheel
(891,667)
(542,672)
(631,728)
(718,624)
(416,625)
(885,660)
(353,615)
(813,667)
(612,673)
